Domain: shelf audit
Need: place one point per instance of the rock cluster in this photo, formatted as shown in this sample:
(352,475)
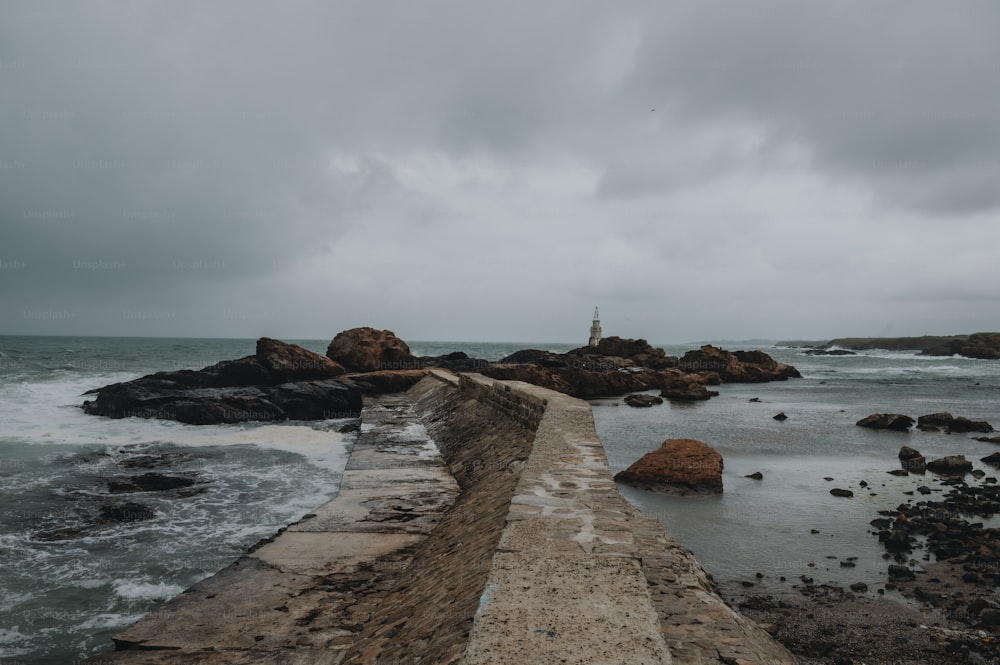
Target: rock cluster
(618,366)
(681,466)
(280,381)
(893,421)
(739,366)
(934,422)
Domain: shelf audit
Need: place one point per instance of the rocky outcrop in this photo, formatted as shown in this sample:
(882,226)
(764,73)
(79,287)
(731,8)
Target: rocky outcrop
(912,460)
(681,466)
(637,352)
(977,345)
(893,421)
(957,424)
(985,346)
(280,382)
(738,367)
(367,350)
(643,400)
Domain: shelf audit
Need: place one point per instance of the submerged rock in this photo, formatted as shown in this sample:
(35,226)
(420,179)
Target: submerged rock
(837,491)
(149,482)
(684,466)
(892,421)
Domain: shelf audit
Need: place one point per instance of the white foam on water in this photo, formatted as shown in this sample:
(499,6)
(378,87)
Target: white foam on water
(132,590)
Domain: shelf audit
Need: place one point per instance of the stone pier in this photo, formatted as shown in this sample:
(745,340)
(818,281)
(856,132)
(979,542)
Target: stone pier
(477,523)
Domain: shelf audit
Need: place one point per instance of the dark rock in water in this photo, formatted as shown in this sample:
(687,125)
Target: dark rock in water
(687,391)
(781,416)
(924,489)
(836,491)
(255,388)
(756,475)
(125,512)
(992,460)
(896,541)
(954,424)
(950,465)
(679,465)
(828,352)
(901,573)
(892,421)
(988,439)
(859,587)
(898,472)
(367,350)
(643,400)
(847,564)
(754,399)
(912,460)
(149,482)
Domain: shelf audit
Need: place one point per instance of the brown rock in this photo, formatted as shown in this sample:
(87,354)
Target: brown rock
(950,465)
(741,366)
(643,400)
(683,466)
(686,389)
(367,349)
(893,421)
(287,362)
(911,459)
(958,424)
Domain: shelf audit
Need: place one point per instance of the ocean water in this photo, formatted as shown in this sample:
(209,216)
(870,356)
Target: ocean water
(766,526)
(68,584)
(65,590)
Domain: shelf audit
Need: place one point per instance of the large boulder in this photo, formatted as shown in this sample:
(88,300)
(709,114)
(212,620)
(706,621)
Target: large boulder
(950,465)
(741,366)
(367,350)
(893,421)
(680,466)
(957,424)
(912,460)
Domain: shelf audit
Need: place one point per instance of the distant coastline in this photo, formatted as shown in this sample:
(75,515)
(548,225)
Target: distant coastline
(983,345)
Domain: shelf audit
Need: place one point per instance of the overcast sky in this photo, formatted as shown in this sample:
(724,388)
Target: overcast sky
(493,170)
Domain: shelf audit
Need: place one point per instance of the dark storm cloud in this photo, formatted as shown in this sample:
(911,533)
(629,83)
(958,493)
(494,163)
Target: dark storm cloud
(491,170)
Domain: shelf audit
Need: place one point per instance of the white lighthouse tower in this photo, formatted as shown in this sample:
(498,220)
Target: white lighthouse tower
(595,330)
